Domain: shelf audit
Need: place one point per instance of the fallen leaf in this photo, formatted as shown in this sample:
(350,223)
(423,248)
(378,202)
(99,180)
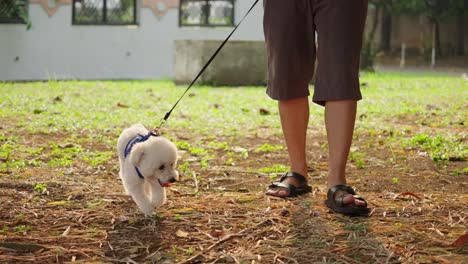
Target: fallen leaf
(238,149)
(217,233)
(122,105)
(68,145)
(408,193)
(461,241)
(181,233)
(264,111)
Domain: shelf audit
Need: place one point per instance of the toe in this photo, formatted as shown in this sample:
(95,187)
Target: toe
(351,200)
(280,192)
(348,199)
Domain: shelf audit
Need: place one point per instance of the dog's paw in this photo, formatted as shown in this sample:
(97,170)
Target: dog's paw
(147,210)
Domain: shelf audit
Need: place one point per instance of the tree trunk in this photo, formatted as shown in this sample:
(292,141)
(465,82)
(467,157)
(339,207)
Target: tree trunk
(461,33)
(437,38)
(386,31)
(367,54)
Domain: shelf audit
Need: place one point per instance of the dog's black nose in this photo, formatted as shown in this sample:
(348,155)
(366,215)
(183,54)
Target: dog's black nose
(172,180)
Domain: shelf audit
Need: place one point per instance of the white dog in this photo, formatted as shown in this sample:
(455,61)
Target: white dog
(147,165)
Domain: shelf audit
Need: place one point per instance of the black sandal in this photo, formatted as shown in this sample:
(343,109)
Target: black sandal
(293,191)
(337,206)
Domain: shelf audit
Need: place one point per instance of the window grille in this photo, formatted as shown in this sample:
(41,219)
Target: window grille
(13,11)
(206,13)
(104,12)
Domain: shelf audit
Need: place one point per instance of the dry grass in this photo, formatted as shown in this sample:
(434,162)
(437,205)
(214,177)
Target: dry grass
(73,209)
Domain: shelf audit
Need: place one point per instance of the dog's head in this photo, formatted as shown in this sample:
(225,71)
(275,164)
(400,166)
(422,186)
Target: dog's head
(156,159)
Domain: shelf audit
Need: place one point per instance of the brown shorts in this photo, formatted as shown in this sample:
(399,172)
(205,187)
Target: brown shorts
(290,27)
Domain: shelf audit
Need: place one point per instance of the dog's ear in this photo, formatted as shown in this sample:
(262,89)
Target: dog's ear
(136,156)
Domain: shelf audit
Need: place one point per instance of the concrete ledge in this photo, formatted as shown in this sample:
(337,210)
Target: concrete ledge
(239,63)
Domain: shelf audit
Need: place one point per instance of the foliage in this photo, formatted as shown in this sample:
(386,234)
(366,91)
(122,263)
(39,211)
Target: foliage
(17,9)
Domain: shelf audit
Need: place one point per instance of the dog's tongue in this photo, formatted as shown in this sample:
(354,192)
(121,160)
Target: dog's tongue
(164,184)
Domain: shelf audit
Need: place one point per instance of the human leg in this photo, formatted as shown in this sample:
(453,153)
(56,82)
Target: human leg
(339,121)
(340,27)
(294,115)
(289,36)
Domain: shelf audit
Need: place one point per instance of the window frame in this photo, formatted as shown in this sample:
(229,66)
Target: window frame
(207,25)
(104,21)
(18,20)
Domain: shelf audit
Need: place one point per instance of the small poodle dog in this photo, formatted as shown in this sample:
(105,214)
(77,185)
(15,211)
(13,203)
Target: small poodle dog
(147,165)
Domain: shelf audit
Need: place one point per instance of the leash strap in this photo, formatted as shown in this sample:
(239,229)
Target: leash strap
(139,138)
(206,65)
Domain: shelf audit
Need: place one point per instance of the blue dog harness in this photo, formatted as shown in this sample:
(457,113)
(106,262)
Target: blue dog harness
(138,139)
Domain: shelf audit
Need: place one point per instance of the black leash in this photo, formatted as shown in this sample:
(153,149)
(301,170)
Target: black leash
(156,130)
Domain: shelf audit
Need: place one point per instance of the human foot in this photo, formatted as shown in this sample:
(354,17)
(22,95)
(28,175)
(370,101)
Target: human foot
(344,200)
(291,184)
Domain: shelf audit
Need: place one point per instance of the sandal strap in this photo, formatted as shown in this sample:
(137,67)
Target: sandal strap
(291,188)
(294,175)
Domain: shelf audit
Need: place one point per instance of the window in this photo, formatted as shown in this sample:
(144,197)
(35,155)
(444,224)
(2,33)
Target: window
(104,12)
(206,13)
(13,11)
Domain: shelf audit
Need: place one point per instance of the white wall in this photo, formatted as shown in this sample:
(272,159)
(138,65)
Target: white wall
(56,49)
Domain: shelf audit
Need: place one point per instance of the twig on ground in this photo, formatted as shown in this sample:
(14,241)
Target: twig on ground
(194,175)
(227,238)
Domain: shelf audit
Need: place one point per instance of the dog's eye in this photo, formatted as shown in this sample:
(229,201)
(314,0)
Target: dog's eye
(161,167)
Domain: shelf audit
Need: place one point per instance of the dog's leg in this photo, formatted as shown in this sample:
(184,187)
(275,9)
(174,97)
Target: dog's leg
(141,199)
(158,195)
(124,185)
(121,174)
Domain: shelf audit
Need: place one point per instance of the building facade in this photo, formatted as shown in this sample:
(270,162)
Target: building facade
(83,39)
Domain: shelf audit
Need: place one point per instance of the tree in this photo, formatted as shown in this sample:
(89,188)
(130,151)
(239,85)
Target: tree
(436,11)
(368,52)
(17,8)
(385,31)
(460,45)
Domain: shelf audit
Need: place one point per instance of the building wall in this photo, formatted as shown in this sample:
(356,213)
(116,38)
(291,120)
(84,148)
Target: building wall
(239,63)
(416,33)
(55,49)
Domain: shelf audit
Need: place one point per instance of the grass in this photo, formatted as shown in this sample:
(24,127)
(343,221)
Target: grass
(441,147)
(153,100)
(59,165)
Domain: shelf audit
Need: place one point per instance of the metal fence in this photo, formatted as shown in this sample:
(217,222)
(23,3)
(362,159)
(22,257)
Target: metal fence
(104,12)
(13,11)
(206,13)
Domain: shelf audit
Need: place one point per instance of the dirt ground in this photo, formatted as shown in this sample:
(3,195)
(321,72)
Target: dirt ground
(220,214)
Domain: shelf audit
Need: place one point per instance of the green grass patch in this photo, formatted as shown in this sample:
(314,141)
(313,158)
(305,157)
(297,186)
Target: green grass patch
(98,158)
(357,158)
(277,168)
(440,147)
(432,101)
(268,148)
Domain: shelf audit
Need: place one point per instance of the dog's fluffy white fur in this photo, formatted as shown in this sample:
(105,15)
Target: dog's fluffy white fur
(156,159)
